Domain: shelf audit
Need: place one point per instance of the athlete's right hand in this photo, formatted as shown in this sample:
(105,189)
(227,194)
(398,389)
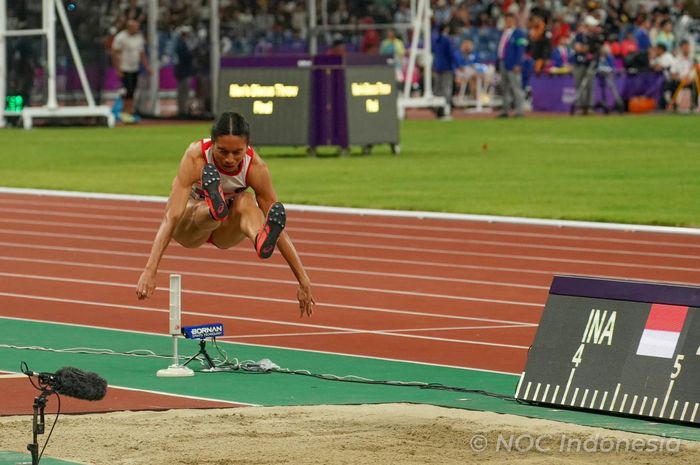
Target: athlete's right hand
(146,286)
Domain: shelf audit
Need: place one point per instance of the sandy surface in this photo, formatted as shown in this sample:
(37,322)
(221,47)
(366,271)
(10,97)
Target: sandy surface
(357,435)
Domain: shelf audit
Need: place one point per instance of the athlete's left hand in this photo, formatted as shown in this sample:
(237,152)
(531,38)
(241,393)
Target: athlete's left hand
(306,300)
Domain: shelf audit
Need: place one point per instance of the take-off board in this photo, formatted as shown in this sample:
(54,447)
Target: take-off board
(620,347)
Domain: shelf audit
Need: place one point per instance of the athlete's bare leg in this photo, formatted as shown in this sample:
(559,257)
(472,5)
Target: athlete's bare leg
(244,220)
(196,224)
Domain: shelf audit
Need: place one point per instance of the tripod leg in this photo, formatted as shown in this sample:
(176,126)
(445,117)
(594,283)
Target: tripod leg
(677,91)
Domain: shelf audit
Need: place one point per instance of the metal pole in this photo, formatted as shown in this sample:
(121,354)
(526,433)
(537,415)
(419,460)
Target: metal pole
(324,20)
(427,50)
(413,51)
(215,41)
(49,20)
(313,21)
(74,51)
(154,59)
(175,312)
(3,53)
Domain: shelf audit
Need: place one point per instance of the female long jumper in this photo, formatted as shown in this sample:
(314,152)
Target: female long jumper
(209,203)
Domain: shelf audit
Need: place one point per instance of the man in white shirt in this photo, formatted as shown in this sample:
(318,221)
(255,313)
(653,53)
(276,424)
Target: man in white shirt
(683,74)
(128,52)
(661,61)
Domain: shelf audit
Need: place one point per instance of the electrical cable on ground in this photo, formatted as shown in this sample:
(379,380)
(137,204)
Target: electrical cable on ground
(224,364)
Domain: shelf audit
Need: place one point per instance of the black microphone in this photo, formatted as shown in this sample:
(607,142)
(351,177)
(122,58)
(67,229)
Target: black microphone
(73,382)
(80,384)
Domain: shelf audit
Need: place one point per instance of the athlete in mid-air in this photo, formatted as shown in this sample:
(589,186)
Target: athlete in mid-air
(209,203)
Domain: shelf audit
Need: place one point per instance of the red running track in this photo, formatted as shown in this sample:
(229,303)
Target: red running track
(458,293)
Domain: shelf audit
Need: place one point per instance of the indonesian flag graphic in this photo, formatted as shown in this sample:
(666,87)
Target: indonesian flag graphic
(662,330)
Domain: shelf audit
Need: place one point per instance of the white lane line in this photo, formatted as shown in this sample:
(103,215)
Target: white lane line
(236,296)
(330,333)
(265,280)
(254,263)
(11,375)
(263,321)
(384,213)
(18,232)
(393,237)
(271,346)
(335,258)
(158,210)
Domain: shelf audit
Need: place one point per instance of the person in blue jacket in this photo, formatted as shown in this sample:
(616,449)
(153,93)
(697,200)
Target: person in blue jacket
(510,55)
(444,66)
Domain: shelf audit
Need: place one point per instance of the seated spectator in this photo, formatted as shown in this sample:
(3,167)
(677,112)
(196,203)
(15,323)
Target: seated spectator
(665,35)
(469,65)
(562,57)
(661,61)
(683,74)
(393,46)
(625,47)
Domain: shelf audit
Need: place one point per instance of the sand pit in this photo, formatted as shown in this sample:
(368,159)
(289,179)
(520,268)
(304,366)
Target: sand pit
(357,435)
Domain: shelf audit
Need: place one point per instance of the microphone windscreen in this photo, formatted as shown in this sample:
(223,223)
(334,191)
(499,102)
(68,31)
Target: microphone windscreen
(81,384)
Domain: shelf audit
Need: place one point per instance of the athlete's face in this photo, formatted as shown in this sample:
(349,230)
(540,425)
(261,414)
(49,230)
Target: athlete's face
(228,151)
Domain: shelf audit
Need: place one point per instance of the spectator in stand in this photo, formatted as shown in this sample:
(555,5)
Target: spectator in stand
(444,66)
(661,61)
(683,74)
(560,28)
(511,52)
(338,46)
(539,46)
(394,47)
(370,38)
(128,52)
(184,69)
(641,35)
(562,57)
(665,35)
(132,11)
(469,65)
(624,47)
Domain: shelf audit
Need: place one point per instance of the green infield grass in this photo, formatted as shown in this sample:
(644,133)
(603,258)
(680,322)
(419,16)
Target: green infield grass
(632,169)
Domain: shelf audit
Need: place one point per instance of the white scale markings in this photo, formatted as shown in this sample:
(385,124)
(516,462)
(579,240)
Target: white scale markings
(624,401)
(546,390)
(668,394)
(520,382)
(695,412)
(634,403)
(614,399)
(673,409)
(602,401)
(685,409)
(527,389)
(585,395)
(644,403)
(595,394)
(653,407)
(573,399)
(537,391)
(554,396)
(568,385)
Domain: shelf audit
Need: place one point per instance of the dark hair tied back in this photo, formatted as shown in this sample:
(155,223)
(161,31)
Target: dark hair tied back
(230,124)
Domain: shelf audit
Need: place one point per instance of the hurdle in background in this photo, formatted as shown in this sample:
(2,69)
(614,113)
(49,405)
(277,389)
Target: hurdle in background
(176,369)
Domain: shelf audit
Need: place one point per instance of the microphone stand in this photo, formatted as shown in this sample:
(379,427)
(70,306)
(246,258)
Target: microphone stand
(203,352)
(38,423)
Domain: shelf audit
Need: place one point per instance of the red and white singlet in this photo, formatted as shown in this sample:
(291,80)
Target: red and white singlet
(232,183)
